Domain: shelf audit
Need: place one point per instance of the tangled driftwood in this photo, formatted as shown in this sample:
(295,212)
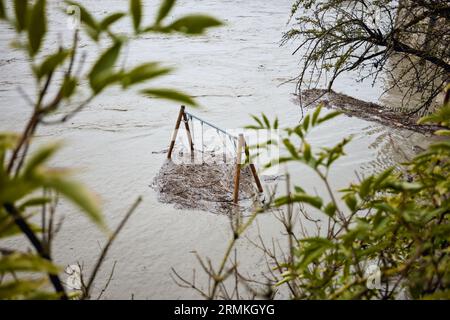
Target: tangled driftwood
(207,186)
(364,110)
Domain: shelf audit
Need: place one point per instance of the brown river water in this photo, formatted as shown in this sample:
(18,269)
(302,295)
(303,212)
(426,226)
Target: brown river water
(114,143)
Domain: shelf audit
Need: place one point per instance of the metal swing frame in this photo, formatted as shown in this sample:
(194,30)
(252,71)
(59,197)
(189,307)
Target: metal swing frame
(241,144)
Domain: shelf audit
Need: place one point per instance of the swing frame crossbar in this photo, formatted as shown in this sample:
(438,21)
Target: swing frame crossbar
(190,115)
(183,115)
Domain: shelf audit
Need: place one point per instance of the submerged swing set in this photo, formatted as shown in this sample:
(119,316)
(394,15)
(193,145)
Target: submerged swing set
(184,116)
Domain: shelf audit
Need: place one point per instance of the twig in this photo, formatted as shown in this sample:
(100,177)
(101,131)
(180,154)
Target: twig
(86,293)
(28,232)
(107,282)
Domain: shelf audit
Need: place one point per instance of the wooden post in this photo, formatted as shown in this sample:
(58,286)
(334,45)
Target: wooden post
(188,132)
(175,132)
(253,169)
(237,174)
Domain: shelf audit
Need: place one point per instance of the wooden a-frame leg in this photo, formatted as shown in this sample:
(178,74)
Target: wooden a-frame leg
(175,132)
(253,169)
(237,174)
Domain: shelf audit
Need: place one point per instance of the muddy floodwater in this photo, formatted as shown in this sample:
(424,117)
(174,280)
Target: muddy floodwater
(115,142)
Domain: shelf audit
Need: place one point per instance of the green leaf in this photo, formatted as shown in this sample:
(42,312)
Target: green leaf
(8,140)
(427,119)
(76,193)
(443,146)
(316,114)
(266,121)
(2,10)
(26,262)
(381,178)
(285,279)
(330,209)
(170,95)
(69,87)
(329,116)
(306,122)
(442,132)
(109,20)
(365,187)
(9,229)
(136,13)
(299,197)
(40,157)
(15,189)
(20,289)
(440,116)
(438,295)
(403,186)
(290,147)
(44,295)
(35,175)
(21,13)
(298,130)
(307,151)
(37,27)
(257,121)
(383,206)
(164,10)
(51,63)
(317,242)
(103,67)
(351,201)
(143,72)
(33,202)
(106,80)
(194,24)
(314,248)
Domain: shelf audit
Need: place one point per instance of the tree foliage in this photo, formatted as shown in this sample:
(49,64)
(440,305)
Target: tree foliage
(396,220)
(28,186)
(405,42)
(388,237)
